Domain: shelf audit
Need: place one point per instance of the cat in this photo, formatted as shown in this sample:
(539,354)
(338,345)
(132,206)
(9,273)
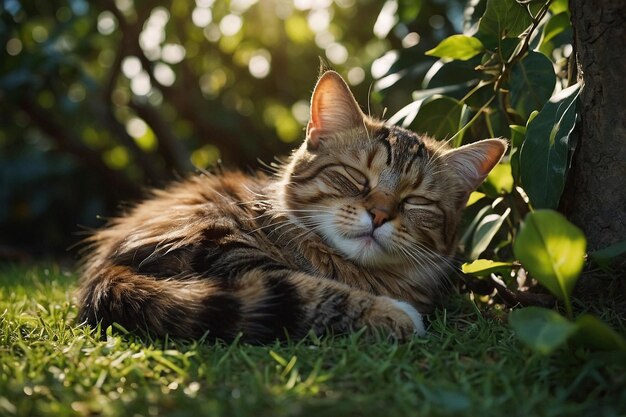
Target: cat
(354,230)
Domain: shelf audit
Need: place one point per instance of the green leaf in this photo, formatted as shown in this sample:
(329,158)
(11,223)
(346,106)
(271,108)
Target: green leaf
(541,329)
(597,335)
(459,47)
(553,250)
(604,257)
(469,230)
(451,90)
(517,138)
(408,10)
(444,74)
(482,267)
(499,180)
(544,153)
(502,18)
(439,116)
(559,6)
(555,26)
(485,231)
(532,83)
(474,197)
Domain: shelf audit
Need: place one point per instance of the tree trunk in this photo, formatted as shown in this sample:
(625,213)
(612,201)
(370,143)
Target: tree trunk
(595,199)
(595,195)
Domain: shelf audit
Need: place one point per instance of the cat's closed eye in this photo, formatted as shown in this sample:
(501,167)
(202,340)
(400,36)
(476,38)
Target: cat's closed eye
(418,201)
(360,178)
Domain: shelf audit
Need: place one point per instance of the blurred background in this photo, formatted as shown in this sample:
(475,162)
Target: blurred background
(99,100)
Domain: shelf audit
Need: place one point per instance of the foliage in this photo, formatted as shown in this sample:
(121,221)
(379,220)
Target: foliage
(101,99)
(506,75)
(470,364)
(121,94)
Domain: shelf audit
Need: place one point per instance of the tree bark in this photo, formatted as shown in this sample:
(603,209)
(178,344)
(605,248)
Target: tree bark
(595,197)
(595,193)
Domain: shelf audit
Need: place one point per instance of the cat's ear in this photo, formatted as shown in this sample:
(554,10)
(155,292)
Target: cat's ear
(333,109)
(473,162)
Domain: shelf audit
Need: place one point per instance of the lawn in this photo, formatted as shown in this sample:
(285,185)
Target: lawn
(470,364)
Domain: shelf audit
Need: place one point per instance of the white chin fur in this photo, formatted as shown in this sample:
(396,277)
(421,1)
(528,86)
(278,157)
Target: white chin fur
(360,250)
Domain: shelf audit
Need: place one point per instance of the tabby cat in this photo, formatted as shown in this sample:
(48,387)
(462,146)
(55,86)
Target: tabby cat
(353,231)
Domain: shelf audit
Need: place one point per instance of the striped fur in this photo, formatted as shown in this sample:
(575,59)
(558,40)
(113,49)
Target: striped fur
(354,230)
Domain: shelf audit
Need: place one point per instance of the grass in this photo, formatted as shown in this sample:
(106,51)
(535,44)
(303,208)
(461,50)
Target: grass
(470,364)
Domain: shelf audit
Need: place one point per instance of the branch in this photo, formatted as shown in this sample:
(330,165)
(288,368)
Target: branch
(184,98)
(487,286)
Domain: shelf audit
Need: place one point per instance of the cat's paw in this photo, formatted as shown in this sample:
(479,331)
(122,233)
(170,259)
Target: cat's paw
(414,315)
(402,319)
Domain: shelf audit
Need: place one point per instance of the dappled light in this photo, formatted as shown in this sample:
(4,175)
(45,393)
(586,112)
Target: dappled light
(104,101)
(124,94)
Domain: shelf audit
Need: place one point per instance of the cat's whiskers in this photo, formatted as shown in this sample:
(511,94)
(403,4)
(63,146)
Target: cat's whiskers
(447,268)
(425,255)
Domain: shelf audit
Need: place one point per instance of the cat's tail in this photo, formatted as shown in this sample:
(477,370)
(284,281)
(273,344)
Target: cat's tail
(261,305)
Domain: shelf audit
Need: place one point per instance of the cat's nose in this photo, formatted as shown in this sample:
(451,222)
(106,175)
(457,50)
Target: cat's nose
(379,216)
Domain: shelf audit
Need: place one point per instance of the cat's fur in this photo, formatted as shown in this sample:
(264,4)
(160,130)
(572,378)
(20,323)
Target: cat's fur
(353,231)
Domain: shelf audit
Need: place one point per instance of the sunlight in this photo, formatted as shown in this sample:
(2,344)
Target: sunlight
(131,66)
(387,19)
(356,76)
(164,74)
(140,84)
(107,23)
(201,16)
(259,64)
(319,20)
(231,24)
(173,53)
(337,53)
(382,65)
(136,127)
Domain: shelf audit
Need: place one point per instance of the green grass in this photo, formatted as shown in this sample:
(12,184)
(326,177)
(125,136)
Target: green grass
(470,364)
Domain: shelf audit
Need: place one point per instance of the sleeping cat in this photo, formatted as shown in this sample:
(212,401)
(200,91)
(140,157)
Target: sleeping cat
(353,231)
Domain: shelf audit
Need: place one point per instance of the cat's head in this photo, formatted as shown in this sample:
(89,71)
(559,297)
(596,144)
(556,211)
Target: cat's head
(379,194)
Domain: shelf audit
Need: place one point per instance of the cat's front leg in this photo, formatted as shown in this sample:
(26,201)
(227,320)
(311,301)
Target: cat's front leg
(340,308)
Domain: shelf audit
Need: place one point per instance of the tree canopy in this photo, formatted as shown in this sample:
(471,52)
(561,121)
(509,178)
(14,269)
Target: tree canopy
(101,99)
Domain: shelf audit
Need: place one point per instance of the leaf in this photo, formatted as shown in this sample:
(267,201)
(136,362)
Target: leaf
(595,334)
(443,74)
(406,114)
(469,230)
(459,47)
(517,138)
(532,83)
(499,180)
(555,26)
(541,329)
(502,18)
(485,231)
(544,153)
(449,90)
(559,6)
(408,10)
(483,267)
(439,116)
(604,257)
(553,250)
(474,197)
